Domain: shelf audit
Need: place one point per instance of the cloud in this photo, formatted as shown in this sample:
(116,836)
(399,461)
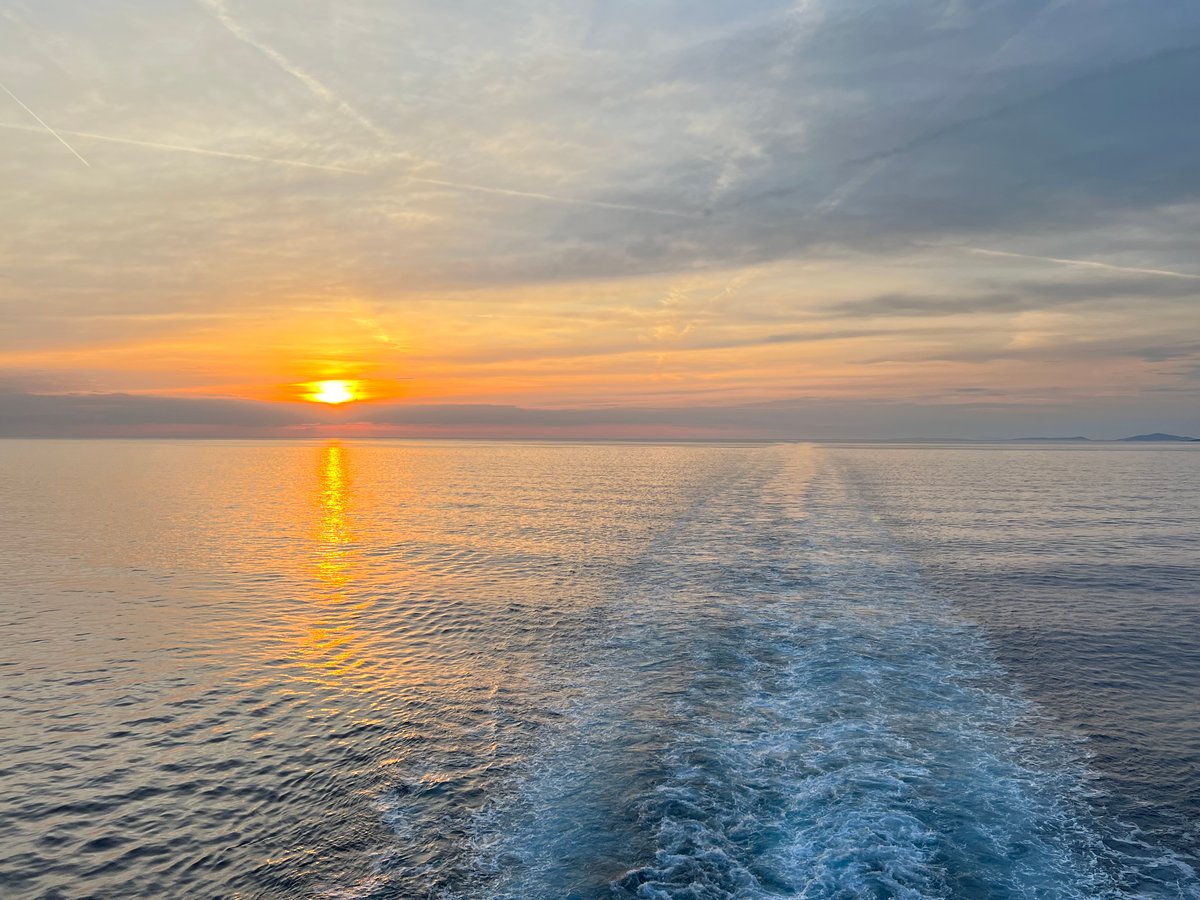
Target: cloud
(102,414)
(504,194)
(316,87)
(1021,296)
(627,126)
(982,414)
(55,134)
(201,151)
(552,198)
(1086,263)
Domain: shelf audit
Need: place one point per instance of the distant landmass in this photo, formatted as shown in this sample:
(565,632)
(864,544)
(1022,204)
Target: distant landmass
(1159,436)
(1154,437)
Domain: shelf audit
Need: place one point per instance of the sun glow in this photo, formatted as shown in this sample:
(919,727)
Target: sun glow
(332,392)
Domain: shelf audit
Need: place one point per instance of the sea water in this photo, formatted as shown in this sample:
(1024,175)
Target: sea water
(535,670)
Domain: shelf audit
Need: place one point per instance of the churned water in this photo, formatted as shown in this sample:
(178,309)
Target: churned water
(469,670)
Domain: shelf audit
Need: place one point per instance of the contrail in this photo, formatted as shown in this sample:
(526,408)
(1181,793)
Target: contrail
(849,186)
(235,28)
(950,102)
(294,163)
(47,127)
(320,90)
(363,315)
(872,165)
(154,145)
(1082,263)
(533,195)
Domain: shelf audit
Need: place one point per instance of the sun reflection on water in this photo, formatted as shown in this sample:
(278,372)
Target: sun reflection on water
(334,554)
(332,645)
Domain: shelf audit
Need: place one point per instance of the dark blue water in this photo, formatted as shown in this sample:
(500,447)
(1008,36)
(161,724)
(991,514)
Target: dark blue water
(527,671)
(1083,564)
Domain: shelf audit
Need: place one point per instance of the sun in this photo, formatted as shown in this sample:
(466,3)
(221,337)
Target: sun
(332,392)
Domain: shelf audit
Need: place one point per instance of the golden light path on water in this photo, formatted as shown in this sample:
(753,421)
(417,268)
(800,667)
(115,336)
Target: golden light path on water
(333,554)
(332,646)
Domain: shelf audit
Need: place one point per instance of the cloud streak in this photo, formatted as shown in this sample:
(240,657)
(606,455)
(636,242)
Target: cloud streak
(200,151)
(982,414)
(347,170)
(1083,263)
(42,122)
(322,91)
(553,198)
(316,87)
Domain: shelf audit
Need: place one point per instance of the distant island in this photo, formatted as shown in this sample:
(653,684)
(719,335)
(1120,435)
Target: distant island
(1159,436)
(1155,437)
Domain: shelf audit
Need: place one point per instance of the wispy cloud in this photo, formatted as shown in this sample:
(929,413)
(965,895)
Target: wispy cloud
(42,122)
(1083,263)
(315,86)
(867,169)
(319,89)
(202,151)
(364,316)
(347,170)
(554,198)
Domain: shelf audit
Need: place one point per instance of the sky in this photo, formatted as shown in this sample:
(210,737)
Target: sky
(827,219)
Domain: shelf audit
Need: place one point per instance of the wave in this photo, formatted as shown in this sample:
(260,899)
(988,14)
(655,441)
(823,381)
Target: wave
(776,705)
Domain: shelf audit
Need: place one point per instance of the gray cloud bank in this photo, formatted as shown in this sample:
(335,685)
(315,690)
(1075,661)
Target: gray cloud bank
(977,413)
(769,126)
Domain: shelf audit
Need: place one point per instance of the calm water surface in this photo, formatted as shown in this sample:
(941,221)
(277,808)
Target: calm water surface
(475,670)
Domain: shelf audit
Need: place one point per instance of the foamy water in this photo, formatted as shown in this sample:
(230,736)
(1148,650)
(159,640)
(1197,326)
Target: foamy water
(526,671)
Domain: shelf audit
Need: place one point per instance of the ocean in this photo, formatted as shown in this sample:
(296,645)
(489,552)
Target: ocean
(385,669)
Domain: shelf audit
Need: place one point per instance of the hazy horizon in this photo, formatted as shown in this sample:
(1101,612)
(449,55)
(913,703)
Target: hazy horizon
(536,426)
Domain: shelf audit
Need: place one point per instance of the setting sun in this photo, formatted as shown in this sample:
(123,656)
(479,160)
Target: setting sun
(332,392)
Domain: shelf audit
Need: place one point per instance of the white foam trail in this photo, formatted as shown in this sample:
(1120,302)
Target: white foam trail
(180,148)
(315,86)
(1082,263)
(42,122)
